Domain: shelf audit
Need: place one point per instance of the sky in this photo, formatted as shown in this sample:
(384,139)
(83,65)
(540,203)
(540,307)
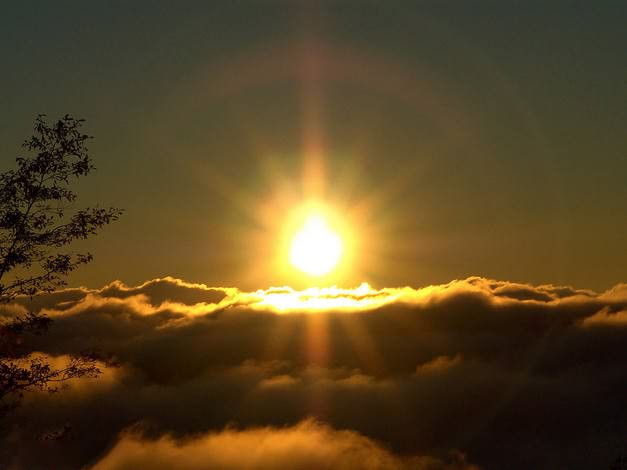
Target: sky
(485,138)
(462,162)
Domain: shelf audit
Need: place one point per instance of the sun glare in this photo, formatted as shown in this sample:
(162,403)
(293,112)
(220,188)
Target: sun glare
(315,249)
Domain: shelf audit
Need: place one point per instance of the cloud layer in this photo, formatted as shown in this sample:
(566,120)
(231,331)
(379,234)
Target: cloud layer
(307,445)
(509,375)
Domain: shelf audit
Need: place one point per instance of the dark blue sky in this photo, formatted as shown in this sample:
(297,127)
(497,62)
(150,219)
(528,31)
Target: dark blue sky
(487,138)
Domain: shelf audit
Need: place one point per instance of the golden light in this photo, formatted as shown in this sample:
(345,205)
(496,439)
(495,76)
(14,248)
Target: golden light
(316,248)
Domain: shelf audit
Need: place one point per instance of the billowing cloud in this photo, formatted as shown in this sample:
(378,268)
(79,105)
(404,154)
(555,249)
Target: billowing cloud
(512,375)
(438,365)
(605,317)
(307,445)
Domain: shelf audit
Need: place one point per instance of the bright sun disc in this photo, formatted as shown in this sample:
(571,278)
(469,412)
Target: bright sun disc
(316,249)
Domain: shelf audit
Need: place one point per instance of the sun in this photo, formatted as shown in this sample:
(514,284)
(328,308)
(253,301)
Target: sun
(316,248)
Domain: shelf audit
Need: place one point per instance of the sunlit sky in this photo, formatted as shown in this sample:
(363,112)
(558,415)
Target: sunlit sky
(449,138)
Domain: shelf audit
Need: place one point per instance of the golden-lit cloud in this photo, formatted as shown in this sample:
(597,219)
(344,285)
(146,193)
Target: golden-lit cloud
(176,296)
(439,364)
(306,445)
(424,371)
(605,317)
(107,376)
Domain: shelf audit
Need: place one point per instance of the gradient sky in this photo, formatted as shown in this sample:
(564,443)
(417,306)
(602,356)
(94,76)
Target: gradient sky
(487,138)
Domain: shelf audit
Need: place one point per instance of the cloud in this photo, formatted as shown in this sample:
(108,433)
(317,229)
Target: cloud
(164,291)
(73,388)
(605,317)
(537,369)
(283,380)
(438,365)
(307,445)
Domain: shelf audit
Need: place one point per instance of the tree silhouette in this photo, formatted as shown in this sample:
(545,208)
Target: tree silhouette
(37,223)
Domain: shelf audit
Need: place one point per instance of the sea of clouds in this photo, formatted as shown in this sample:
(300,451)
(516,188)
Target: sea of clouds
(475,373)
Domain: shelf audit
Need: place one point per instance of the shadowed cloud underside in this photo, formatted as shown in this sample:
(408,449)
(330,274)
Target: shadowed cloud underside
(428,378)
